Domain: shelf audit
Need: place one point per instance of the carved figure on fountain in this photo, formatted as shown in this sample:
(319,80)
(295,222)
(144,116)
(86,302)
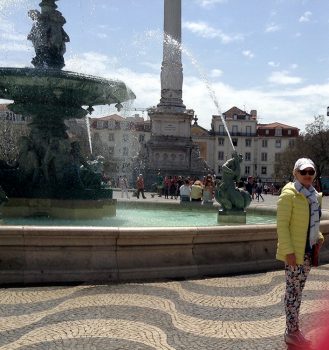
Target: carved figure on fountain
(227,194)
(48,36)
(28,162)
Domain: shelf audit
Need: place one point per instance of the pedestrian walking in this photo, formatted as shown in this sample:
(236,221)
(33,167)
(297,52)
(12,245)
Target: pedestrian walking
(123,184)
(140,186)
(259,190)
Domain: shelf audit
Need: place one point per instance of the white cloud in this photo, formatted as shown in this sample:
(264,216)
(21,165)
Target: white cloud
(102,35)
(271,28)
(206,31)
(294,66)
(273,64)
(295,107)
(216,73)
(13,36)
(209,3)
(283,78)
(306,17)
(248,53)
(102,64)
(15,47)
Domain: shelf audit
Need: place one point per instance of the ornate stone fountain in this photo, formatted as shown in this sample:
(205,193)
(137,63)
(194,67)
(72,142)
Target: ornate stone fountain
(50,172)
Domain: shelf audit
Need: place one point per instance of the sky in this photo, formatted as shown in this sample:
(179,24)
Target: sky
(268,55)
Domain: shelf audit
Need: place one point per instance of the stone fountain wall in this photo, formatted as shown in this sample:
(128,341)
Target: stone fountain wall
(79,254)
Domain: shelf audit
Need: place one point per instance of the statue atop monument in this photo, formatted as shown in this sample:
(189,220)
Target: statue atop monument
(48,36)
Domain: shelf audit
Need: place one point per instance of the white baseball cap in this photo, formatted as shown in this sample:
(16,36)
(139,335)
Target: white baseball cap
(303,163)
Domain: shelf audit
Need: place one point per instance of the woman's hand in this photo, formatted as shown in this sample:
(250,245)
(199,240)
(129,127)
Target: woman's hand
(291,259)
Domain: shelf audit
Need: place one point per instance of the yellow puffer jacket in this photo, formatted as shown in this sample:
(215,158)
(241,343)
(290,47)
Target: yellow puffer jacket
(292,223)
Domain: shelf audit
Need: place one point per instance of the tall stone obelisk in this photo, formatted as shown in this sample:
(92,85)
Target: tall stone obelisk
(172,68)
(170,147)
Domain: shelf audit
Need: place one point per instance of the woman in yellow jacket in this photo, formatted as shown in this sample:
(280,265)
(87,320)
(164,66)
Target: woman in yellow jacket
(298,221)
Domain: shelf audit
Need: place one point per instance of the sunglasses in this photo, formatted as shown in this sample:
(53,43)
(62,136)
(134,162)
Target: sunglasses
(305,172)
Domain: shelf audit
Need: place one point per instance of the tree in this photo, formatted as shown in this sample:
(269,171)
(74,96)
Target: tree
(284,165)
(316,140)
(313,144)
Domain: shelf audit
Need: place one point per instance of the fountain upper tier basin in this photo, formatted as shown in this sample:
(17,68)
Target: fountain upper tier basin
(32,87)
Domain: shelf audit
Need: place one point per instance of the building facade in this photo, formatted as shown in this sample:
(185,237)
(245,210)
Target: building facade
(259,144)
(121,139)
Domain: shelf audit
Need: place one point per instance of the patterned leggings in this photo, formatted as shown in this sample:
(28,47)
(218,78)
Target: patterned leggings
(295,282)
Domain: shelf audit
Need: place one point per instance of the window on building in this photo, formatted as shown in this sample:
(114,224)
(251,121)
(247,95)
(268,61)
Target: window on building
(277,156)
(248,130)
(221,129)
(264,170)
(125,125)
(248,142)
(264,157)
(264,143)
(278,143)
(291,143)
(111,151)
(267,132)
(289,131)
(220,155)
(278,132)
(234,130)
(247,156)
(111,137)
(221,141)
(247,170)
(235,142)
(99,124)
(125,137)
(111,124)
(219,169)
(141,137)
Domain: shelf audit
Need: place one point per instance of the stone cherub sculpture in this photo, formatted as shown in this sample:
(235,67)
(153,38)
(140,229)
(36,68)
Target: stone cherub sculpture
(227,193)
(48,36)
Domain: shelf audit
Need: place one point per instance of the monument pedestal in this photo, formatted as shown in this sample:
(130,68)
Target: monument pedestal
(171,148)
(232,217)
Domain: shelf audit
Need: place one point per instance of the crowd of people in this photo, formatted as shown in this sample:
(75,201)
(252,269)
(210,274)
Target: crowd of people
(187,189)
(191,188)
(257,188)
(173,187)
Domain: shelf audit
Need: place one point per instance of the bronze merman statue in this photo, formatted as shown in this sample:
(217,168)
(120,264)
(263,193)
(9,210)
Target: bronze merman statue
(227,194)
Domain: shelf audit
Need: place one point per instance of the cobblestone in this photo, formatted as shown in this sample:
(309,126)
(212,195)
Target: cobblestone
(216,313)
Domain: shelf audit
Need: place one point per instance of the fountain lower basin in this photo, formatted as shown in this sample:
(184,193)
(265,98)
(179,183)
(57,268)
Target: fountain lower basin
(63,254)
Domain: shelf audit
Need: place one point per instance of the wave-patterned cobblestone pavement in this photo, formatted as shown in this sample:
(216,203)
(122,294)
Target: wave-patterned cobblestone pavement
(241,312)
